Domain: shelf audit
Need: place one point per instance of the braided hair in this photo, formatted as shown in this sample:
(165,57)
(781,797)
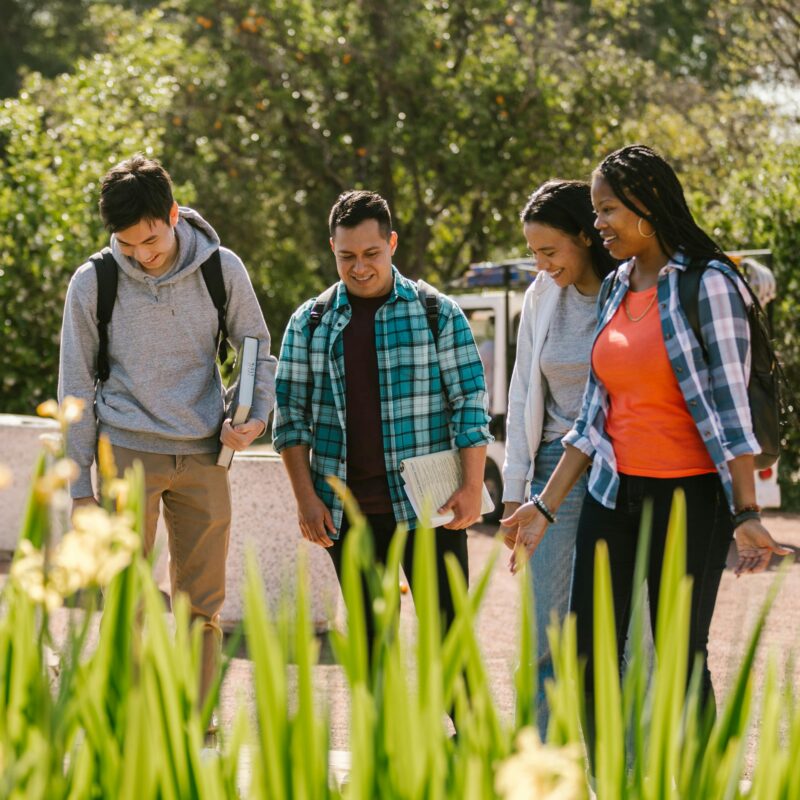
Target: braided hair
(637,172)
(567,206)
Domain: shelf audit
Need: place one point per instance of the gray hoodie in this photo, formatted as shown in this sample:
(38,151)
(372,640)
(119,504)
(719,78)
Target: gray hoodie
(164,393)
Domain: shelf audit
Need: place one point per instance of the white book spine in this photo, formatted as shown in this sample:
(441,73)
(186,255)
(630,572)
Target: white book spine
(243,401)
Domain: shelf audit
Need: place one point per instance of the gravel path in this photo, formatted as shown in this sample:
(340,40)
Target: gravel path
(737,606)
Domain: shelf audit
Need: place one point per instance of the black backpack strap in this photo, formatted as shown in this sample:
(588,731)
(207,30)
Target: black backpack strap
(689,296)
(321,307)
(212,275)
(105,268)
(429,297)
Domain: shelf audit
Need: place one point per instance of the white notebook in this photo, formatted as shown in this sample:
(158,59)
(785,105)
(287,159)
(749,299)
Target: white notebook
(430,480)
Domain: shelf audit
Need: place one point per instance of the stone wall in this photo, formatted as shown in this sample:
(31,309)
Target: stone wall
(264,522)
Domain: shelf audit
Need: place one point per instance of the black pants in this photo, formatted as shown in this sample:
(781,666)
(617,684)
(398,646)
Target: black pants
(708,535)
(383,527)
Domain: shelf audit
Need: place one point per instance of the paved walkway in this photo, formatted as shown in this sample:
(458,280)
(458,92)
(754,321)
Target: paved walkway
(737,606)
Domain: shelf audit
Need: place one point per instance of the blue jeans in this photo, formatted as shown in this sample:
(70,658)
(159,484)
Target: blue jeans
(551,565)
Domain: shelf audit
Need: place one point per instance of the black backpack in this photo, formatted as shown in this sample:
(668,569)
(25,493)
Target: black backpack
(766,388)
(428,296)
(105,267)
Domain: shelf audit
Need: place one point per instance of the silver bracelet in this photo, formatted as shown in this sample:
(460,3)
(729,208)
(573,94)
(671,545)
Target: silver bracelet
(542,506)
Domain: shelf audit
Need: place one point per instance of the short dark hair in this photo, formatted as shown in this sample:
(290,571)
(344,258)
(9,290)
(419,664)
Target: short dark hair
(567,206)
(135,189)
(356,206)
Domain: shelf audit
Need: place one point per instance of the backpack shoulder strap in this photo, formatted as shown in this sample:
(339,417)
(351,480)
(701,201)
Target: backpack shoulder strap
(211,269)
(429,297)
(321,307)
(689,296)
(105,268)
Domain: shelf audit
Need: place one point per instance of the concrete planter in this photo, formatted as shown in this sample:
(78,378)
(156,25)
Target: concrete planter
(264,522)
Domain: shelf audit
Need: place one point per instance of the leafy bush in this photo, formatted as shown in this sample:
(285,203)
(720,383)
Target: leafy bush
(57,138)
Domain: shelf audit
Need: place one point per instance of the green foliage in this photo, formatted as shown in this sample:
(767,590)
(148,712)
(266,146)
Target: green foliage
(58,138)
(264,113)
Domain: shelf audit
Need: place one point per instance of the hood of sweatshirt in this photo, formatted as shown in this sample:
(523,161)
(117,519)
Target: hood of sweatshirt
(196,241)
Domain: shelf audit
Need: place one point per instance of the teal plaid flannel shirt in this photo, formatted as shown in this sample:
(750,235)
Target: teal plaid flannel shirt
(432,397)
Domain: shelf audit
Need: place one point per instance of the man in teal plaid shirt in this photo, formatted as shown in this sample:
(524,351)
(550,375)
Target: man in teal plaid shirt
(367,386)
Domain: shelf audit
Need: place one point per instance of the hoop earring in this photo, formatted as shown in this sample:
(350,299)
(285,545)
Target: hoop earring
(639,228)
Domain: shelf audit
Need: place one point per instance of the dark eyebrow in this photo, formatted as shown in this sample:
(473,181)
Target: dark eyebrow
(128,244)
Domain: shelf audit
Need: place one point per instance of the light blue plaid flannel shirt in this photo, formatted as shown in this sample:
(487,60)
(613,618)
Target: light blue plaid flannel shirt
(428,402)
(715,392)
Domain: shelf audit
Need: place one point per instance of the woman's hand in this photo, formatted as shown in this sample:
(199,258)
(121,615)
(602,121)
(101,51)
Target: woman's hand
(509,534)
(531,526)
(755,547)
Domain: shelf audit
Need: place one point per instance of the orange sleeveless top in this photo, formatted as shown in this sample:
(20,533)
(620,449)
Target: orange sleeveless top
(649,425)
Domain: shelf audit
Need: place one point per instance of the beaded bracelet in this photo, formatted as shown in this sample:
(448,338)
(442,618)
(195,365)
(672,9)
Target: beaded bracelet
(743,516)
(542,506)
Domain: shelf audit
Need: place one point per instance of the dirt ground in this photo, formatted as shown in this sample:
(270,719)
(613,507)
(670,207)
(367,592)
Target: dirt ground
(738,604)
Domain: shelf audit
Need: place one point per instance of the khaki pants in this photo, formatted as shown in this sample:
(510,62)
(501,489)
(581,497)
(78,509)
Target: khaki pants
(197,510)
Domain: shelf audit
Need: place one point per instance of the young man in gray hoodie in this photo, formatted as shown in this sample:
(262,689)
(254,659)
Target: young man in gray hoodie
(163,400)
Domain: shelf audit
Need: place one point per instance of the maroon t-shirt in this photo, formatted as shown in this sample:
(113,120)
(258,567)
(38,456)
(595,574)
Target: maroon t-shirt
(366,468)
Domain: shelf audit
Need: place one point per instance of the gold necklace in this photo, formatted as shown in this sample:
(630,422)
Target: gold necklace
(644,313)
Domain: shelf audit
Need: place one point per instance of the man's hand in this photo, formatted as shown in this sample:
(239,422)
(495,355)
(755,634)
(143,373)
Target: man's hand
(509,534)
(465,503)
(315,520)
(531,526)
(755,547)
(242,436)
(83,502)
(313,516)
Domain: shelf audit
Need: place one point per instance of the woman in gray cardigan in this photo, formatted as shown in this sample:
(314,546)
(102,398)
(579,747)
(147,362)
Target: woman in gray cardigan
(550,372)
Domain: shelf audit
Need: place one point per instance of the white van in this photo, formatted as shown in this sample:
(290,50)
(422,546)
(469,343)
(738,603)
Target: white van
(491,294)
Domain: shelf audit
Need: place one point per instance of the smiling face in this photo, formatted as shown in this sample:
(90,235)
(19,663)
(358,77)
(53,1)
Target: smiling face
(565,258)
(151,243)
(364,258)
(625,234)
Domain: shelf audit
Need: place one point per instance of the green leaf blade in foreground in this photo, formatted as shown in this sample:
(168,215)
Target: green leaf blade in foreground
(271,761)
(526,674)
(309,730)
(610,749)
(671,664)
